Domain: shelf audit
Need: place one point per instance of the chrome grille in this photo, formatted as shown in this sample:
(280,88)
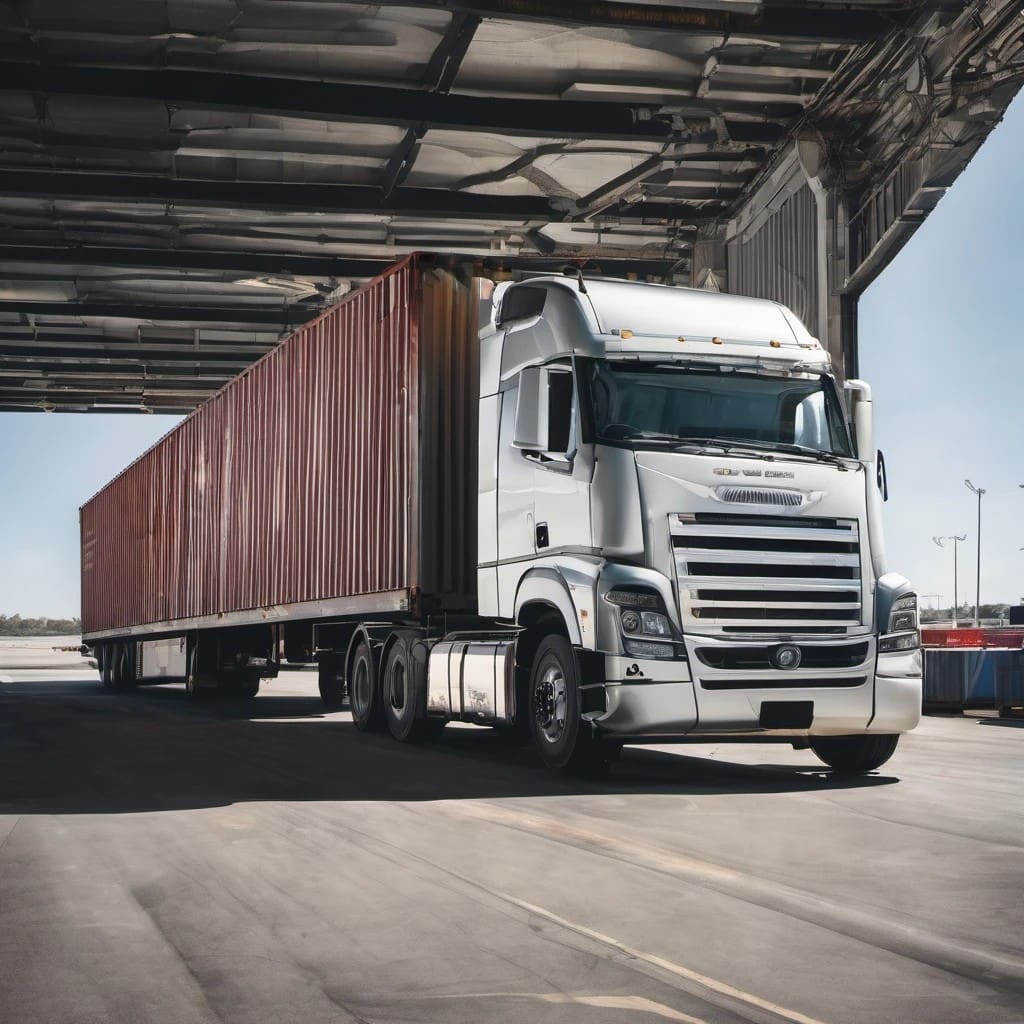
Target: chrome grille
(763,573)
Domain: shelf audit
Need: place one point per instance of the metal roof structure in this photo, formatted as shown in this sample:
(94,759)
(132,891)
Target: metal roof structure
(182,182)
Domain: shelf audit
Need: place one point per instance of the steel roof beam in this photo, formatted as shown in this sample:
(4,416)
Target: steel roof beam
(776,20)
(373,104)
(31,365)
(342,101)
(195,259)
(440,74)
(127,352)
(116,188)
(278,316)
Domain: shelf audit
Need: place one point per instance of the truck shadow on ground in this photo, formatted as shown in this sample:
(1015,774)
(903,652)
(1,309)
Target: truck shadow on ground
(71,748)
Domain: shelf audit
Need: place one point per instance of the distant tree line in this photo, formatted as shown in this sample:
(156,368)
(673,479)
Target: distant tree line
(15,625)
(965,613)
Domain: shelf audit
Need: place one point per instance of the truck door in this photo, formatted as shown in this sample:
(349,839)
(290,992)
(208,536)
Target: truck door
(543,488)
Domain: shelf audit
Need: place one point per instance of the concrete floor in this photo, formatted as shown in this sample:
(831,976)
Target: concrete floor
(179,862)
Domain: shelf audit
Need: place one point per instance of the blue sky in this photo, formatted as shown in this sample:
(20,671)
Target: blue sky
(940,337)
(942,344)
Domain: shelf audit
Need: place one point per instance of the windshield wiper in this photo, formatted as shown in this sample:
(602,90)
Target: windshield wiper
(732,445)
(650,435)
(738,444)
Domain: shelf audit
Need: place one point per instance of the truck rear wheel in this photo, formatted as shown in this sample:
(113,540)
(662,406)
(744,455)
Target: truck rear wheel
(364,691)
(404,696)
(563,739)
(854,755)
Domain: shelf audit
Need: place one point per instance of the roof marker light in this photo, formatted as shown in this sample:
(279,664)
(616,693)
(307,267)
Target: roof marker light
(625,334)
(681,339)
(716,341)
(775,344)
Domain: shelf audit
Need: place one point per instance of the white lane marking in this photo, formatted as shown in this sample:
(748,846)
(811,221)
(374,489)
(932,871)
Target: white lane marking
(638,1004)
(666,965)
(650,959)
(635,1004)
(893,932)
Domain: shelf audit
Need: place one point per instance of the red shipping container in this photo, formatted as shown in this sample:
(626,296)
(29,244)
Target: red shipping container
(336,475)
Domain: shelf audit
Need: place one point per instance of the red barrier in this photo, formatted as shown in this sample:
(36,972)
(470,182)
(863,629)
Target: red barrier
(992,636)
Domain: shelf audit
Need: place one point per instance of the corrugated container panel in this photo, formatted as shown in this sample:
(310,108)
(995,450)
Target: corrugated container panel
(779,261)
(309,477)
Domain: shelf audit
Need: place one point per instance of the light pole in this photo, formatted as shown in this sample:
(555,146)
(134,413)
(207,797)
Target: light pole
(956,540)
(979,491)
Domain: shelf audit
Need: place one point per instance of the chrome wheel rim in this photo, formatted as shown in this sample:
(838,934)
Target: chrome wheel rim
(550,703)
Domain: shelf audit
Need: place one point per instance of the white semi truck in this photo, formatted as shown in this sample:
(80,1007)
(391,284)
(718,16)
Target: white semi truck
(678,536)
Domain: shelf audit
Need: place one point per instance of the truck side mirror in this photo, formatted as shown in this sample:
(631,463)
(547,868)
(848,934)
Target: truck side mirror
(863,419)
(881,476)
(544,411)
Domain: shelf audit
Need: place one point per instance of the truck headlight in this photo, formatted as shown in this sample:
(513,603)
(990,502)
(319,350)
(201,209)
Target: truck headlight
(643,615)
(901,634)
(899,642)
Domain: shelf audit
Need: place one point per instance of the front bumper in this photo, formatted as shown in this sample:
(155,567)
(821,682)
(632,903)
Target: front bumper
(652,698)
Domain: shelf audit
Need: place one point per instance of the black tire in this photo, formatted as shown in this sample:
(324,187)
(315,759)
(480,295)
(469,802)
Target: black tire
(123,668)
(331,680)
(854,755)
(364,691)
(192,688)
(404,695)
(104,662)
(239,688)
(563,739)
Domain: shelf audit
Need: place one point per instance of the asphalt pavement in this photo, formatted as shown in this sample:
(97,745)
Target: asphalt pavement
(163,860)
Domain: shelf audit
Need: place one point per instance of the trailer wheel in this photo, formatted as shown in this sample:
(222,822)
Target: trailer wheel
(192,687)
(106,668)
(563,739)
(404,696)
(364,691)
(246,690)
(235,688)
(854,755)
(331,680)
(123,668)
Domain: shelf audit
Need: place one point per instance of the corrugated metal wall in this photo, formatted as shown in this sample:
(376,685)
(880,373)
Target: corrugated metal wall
(300,480)
(779,261)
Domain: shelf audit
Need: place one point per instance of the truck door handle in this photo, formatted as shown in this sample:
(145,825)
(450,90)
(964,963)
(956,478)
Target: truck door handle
(542,535)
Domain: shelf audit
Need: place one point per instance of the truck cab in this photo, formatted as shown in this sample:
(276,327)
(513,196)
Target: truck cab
(678,513)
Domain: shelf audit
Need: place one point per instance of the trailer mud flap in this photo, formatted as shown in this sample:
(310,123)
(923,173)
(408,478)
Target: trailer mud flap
(786,714)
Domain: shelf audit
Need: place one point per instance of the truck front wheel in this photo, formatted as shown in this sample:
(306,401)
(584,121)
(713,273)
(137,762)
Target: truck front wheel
(562,738)
(854,755)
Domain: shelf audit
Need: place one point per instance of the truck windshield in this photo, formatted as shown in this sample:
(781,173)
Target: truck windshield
(659,403)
